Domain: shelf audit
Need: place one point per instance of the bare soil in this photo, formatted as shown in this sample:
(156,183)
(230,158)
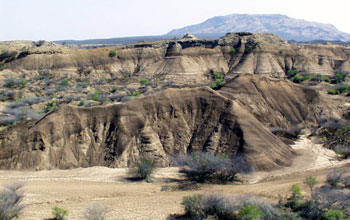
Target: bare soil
(78,189)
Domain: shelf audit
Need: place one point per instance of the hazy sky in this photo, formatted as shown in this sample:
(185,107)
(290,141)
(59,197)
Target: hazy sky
(87,19)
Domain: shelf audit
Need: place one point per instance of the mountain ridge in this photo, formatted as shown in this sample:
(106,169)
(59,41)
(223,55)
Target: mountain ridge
(282,25)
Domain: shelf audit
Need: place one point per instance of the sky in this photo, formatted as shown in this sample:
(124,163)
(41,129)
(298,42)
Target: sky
(90,19)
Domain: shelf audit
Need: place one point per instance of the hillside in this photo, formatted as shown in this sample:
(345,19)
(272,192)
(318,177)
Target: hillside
(281,25)
(63,107)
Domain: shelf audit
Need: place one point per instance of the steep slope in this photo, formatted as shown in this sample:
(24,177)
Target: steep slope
(158,126)
(275,102)
(285,27)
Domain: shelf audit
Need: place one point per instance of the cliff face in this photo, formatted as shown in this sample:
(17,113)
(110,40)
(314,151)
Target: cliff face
(189,60)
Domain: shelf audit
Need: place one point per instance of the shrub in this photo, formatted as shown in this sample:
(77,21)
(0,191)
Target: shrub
(212,85)
(96,96)
(201,207)
(333,215)
(298,79)
(59,213)
(270,211)
(205,167)
(9,83)
(250,212)
(144,81)
(65,82)
(334,177)
(333,91)
(326,79)
(145,169)
(114,89)
(343,150)
(192,205)
(51,106)
(306,77)
(112,53)
(1,66)
(339,78)
(10,201)
(217,76)
(310,181)
(96,212)
(15,83)
(233,51)
(292,72)
(136,93)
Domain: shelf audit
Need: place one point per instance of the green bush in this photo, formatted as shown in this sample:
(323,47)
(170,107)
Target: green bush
(112,53)
(333,91)
(339,78)
(326,79)
(1,66)
(51,106)
(334,215)
(59,213)
(292,72)
(217,76)
(306,77)
(136,93)
(96,96)
(144,81)
(145,169)
(298,79)
(212,85)
(296,191)
(233,51)
(250,212)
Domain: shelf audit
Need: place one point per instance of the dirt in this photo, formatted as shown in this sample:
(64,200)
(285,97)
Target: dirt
(77,189)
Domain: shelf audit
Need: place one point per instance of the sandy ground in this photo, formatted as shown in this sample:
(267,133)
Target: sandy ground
(78,189)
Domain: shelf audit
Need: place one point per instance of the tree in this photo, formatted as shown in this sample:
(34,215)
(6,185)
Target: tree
(310,181)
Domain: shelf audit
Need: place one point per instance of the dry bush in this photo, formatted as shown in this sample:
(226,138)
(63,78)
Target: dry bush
(96,212)
(11,201)
(205,167)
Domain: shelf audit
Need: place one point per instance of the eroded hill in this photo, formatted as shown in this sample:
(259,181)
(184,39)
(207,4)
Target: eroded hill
(235,118)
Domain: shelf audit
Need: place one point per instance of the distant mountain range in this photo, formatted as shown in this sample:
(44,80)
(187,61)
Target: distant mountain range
(288,28)
(284,26)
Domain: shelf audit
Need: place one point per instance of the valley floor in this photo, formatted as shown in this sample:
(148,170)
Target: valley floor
(80,188)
